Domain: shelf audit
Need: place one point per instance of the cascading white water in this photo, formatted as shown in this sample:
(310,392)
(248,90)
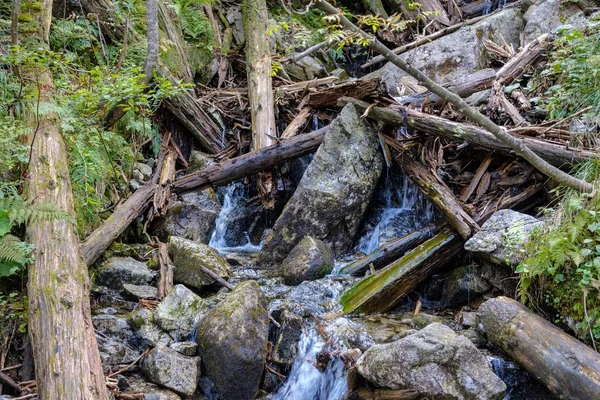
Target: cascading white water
(234,199)
(305,381)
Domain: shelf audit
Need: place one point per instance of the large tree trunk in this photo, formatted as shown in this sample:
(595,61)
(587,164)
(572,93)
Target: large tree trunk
(569,368)
(260,90)
(67,361)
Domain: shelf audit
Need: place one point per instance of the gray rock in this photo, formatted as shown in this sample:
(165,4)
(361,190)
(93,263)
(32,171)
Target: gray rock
(142,320)
(334,192)
(185,348)
(112,326)
(192,217)
(455,55)
(309,260)
(352,336)
(179,311)
(115,353)
(136,292)
(144,170)
(463,285)
(546,15)
(436,363)
(117,271)
(286,345)
(199,160)
(234,17)
(168,368)
(306,69)
(232,340)
(188,256)
(501,238)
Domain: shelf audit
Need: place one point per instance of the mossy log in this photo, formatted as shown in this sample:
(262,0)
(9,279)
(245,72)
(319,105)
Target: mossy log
(556,154)
(391,250)
(567,367)
(220,174)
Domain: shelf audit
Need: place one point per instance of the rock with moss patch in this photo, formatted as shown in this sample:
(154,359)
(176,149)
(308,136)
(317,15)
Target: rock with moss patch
(142,320)
(188,256)
(311,259)
(334,192)
(117,271)
(178,312)
(232,341)
(546,15)
(199,160)
(436,363)
(168,368)
(286,344)
(502,237)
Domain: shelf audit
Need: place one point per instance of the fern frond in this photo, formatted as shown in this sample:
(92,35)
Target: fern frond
(24,211)
(11,249)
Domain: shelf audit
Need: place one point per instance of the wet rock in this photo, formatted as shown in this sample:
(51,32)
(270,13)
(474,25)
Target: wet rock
(188,256)
(142,320)
(352,335)
(168,368)
(117,271)
(458,54)
(334,192)
(136,292)
(178,312)
(199,160)
(421,320)
(436,363)
(463,285)
(311,259)
(286,345)
(185,348)
(232,340)
(546,15)
(191,216)
(501,238)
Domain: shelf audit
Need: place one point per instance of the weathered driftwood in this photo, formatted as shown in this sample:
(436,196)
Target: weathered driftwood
(567,367)
(555,154)
(221,174)
(381,291)
(464,87)
(297,123)
(167,269)
(358,89)
(392,250)
(476,179)
(439,194)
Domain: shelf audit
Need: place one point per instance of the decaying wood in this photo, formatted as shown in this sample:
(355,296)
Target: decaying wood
(567,367)
(358,89)
(164,177)
(260,90)
(9,382)
(556,154)
(439,194)
(518,146)
(391,250)
(165,283)
(476,179)
(221,174)
(297,123)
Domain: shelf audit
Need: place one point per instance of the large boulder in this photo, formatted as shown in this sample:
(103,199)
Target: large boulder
(117,271)
(436,363)
(544,16)
(188,256)
(311,259)
(179,311)
(168,368)
(232,340)
(334,192)
(192,216)
(502,237)
(455,55)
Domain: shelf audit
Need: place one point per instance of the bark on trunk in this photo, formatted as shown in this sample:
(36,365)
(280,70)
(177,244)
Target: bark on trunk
(567,367)
(226,172)
(260,89)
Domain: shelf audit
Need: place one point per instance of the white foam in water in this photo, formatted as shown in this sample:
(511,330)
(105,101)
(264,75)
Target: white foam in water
(305,381)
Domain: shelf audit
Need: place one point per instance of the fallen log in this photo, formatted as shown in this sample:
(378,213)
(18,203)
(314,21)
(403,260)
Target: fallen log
(358,89)
(392,250)
(223,173)
(567,367)
(381,291)
(556,154)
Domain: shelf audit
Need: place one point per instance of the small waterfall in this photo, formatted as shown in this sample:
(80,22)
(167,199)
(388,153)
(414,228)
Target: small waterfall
(234,199)
(305,381)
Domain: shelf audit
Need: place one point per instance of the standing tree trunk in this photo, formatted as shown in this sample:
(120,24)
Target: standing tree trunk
(260,91)
(67,361)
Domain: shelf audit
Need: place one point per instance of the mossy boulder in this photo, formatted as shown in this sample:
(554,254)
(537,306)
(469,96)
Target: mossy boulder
(142,320)
(436,363)
(179,311)
(232,341)
(199,160)
(168,368)
(311,259)
(117,271)
(334,193)
(188,256)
